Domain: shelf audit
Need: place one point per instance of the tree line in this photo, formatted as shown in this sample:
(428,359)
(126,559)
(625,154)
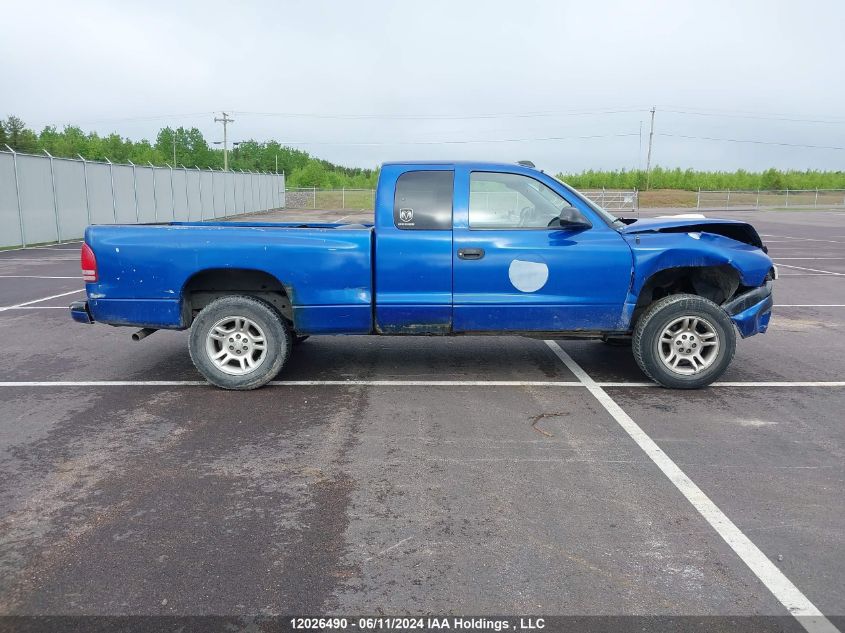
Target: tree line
(187,146)
(692,180)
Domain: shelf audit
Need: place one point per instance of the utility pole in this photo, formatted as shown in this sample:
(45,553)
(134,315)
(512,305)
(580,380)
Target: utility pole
(174,147)
(225,121)
(640,150)
(648,160)
(277,163)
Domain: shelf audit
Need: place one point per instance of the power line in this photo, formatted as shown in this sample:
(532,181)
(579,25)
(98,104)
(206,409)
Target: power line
(756,142)
(156,117)
(759,117)
(750,113)
(443,117)
(464,142)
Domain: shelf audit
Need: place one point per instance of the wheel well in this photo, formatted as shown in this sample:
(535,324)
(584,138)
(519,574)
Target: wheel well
(208,285)
(717,283)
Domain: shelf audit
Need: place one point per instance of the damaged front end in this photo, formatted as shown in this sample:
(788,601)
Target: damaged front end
(751,311)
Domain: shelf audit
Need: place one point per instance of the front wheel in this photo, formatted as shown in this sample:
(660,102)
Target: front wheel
(684,341)
(239,342)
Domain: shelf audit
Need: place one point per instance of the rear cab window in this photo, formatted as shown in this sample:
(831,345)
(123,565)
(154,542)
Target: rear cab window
(423,200)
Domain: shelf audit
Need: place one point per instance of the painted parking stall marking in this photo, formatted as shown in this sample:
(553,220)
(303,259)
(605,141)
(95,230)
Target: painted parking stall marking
(813,270)
(409,383)
(26,303)
(807,614)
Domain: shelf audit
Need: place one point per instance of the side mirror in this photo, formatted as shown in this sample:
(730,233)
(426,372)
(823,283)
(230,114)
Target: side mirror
(579,224)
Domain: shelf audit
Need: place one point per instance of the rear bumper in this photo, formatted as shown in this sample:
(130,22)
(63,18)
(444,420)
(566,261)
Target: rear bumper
(79,312)
(752,310)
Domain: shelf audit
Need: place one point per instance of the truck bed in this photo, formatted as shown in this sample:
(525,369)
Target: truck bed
(326,269)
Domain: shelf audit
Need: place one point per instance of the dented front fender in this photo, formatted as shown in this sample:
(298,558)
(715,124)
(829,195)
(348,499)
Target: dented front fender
(654,252)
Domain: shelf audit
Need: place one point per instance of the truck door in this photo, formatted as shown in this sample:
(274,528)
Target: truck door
(522,264)
(413,250)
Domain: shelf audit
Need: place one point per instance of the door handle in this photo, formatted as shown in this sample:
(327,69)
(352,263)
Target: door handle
(470,253)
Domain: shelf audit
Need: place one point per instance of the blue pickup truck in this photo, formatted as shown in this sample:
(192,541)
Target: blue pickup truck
(456,248)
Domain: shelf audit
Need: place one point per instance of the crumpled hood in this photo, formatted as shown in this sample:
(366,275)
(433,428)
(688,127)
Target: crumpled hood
(733,229)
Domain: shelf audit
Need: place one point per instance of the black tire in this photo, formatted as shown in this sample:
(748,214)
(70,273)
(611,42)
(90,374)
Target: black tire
(277,341)
(646,341)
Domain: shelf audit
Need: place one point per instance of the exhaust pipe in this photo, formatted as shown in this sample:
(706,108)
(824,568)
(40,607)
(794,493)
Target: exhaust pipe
(143,333)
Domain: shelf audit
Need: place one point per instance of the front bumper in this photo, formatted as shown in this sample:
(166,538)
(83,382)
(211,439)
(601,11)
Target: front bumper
(751,310)
(79,312)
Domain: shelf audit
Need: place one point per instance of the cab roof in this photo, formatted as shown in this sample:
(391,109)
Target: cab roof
(464,163)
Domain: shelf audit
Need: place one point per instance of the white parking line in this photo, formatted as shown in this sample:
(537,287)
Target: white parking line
(813,270)
(811,305)
(807,614)
(12,308)
(39,259)
(782,258)
(406,383)
(37,277)
(46,246)
(26,303)
(52,248)
(801,239)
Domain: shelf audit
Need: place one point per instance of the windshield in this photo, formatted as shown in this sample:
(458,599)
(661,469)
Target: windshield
(609,218)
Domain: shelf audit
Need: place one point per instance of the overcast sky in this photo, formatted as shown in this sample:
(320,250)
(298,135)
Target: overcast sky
(362,82)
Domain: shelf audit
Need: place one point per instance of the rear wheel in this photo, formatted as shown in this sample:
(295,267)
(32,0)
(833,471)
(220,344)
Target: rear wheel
(239,342)
(684,341)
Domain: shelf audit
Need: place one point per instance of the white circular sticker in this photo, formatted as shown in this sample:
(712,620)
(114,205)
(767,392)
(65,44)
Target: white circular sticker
(528,276)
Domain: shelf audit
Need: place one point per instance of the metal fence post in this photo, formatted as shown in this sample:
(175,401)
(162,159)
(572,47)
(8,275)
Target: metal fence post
(55,199)
(213,195)
(199,186)
(698,199)
(343,198)
(816,200)
(18,194)
(111,180)
(728,200)
(155,195)
(172,196)
(187,195)
(787,197)
(758,199)
(135,191)
(85,180)
(234,194)
(315,196)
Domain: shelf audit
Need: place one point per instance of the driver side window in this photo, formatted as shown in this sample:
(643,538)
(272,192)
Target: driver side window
(514,201)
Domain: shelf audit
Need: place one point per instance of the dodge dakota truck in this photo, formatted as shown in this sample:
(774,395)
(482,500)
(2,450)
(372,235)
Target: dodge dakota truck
(456,248)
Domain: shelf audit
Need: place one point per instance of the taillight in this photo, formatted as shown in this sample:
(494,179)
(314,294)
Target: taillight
(89,264)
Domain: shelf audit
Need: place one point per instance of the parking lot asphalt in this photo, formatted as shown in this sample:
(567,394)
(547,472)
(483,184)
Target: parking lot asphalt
(483,475)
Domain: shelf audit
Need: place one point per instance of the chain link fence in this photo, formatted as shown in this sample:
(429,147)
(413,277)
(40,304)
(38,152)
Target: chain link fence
(781,198)
(44,199)
(330,199)
(614,199)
